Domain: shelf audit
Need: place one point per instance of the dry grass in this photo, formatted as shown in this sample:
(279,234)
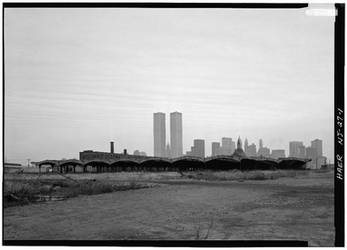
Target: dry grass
(28,191)
(237,175)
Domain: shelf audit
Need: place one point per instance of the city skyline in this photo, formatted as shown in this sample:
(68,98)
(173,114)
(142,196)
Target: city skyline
(72,87)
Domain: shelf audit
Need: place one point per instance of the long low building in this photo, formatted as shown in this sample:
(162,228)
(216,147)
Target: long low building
(98,162)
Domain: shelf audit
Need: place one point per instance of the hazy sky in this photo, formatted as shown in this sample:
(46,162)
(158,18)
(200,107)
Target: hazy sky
(77,78)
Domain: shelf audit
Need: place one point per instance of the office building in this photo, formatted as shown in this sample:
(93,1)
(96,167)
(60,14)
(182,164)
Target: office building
(228,146)
(198,150)
(159,134)
(233,147)
(252,150)
(302,151)
(318,144)
(260,143)
(215,148)
(176,134)
(264,152)
(246,145)
(168,151)
(311,153)
(278,153)
(294,150)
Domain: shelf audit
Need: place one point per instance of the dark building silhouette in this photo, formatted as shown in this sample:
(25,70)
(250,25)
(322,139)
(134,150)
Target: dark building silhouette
(112,147)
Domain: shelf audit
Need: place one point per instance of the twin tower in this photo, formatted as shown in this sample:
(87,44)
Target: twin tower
(159,132)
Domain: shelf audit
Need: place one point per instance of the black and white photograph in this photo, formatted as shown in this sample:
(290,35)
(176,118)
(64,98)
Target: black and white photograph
(156,123)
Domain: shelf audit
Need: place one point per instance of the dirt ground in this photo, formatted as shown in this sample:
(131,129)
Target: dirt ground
(296,208)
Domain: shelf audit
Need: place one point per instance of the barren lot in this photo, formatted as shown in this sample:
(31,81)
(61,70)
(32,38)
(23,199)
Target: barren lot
(289,208)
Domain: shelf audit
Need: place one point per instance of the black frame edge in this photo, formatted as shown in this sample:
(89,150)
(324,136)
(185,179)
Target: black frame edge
(339,184)
(151,5)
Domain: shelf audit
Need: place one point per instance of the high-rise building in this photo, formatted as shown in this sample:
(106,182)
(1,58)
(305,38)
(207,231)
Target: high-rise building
(176,134)
(215,148)
(233,147)
(246,145)
(198,149)
(260,143)
(278,153)
(159,134)
(294,150)
(318,144)
(228,146)
(264,152)
(252,150)
(302,151)
(311,153)
(239,143)
(168,151)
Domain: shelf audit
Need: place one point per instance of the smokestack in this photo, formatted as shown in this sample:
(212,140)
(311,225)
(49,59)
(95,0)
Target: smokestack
(112,147)
(125,152)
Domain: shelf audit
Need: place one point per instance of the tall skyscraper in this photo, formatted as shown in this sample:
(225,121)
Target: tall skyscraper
(260,144)
(294,150)
(215,148)
(233,147)
(246,145)
(159,134)
(199,148)
(176,134)
(318,144)
(168,151)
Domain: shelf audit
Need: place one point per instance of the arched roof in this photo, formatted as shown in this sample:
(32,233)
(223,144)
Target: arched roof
(70,162)
(120,161)
(222,158)
(187,158)
(294,159)
(156,160)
